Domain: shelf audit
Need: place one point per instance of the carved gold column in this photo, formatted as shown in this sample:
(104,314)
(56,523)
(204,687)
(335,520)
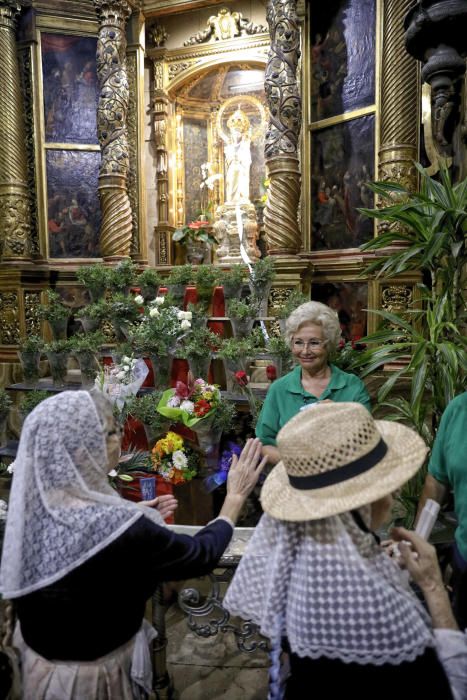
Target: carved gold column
(281,149)
(14,198)
(116,227)
(400,97)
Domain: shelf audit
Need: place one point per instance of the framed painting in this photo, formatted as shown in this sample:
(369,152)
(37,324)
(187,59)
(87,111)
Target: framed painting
(350,300)
(343,53)
(342,165)
(70,88)
(73,211)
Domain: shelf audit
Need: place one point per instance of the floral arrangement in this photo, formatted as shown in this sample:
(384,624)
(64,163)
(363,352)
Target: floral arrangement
(173,460)
(194,231)
(161,328)
(55,310)
(242,381)
(121,381)
(190,403)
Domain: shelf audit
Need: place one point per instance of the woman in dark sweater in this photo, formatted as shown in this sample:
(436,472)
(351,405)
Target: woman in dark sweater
(81,562)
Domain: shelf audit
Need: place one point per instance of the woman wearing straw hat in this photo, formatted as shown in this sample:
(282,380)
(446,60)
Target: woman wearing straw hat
(315,580)
(313,332)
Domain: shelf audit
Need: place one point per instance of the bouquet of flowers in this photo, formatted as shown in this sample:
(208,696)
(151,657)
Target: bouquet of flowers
(161,328)
(120,381)
(173,460)
(190,403)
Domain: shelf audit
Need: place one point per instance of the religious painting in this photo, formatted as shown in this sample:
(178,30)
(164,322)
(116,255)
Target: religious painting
(350,300)
(195,136)
(342,166)
(70,88)
(73,211)
(342,56)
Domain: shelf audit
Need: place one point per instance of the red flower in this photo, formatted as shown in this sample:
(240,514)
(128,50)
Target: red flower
(341,345)
(271,372)
(241,377)
(202,407)
(197,224)
(182,390)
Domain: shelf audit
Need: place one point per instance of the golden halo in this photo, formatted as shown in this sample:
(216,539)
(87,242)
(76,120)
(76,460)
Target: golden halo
(238,100)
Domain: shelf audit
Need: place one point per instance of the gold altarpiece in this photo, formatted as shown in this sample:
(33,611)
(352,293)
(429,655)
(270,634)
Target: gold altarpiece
(285,53)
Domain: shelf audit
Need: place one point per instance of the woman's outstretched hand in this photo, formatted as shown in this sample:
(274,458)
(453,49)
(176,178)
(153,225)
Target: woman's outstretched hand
(245,470)
(166,505)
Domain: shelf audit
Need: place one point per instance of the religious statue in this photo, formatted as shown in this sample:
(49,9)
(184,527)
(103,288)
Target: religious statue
(237,153)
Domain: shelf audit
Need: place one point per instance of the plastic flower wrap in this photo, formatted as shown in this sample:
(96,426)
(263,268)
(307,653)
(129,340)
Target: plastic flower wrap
(173,460)
(190,403)
(213,481)
(119,381)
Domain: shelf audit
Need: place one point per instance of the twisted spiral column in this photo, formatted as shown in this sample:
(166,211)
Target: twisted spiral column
(281,149)
(15,210)
(112,111)
(399,101)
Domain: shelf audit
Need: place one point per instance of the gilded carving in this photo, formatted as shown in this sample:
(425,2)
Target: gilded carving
(163,248)
(31,313)
(158,35)
(396,298)
(14,196)
(176,68)
(9,318)
(26,73)
(133,175)
(399,101)
(278,297)
(281,148)
(116,228)
(225,25)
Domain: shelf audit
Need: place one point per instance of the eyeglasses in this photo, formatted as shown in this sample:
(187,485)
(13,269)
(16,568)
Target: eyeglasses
(313,343)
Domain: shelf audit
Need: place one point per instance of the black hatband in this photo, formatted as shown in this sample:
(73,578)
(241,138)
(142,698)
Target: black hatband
(348,471)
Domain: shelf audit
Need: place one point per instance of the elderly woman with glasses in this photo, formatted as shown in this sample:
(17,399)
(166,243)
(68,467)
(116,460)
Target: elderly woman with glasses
(313,332)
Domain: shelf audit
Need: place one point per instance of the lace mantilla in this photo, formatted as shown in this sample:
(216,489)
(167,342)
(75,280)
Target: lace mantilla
(62,510)
(328,588)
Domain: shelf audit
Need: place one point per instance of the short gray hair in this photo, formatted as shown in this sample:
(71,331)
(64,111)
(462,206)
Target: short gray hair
(320,315)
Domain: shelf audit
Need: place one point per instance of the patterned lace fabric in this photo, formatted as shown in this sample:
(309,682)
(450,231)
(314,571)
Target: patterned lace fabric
(328,588)
(62,509)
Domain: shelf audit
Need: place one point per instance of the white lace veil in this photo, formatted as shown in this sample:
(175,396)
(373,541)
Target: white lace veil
(327,586)
(62,509)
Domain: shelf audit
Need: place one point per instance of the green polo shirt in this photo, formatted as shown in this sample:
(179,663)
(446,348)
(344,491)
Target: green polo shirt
(448,461)
(286,396)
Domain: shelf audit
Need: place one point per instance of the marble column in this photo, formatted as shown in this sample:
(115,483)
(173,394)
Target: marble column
(281,149)
(15,209)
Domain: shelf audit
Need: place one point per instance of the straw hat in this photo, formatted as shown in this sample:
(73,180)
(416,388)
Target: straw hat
(335,458)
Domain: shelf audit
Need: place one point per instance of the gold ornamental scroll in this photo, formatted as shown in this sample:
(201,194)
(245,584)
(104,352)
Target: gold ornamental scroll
(281,149)
(400,98)
(15,209)
(116,228)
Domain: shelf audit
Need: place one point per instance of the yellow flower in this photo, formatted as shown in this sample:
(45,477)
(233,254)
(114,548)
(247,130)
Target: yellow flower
(207,395)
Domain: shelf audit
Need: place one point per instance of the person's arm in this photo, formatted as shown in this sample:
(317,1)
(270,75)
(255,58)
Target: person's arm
(272,454)
(419,558)
(433,489)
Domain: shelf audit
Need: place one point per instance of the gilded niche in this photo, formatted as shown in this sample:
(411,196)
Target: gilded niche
(226,25)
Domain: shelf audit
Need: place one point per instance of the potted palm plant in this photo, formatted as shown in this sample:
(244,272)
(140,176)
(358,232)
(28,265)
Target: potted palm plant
(432,223)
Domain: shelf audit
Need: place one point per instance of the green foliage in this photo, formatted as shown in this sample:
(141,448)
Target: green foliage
(123,308)
(122,276)
(263,273)
(233,279)
(235,348)
(238,308)
(192,232)
(144,409)
(54,310)
(149,282)
(224,417)
(4,473)
(32,343)
(90,342)
(205,276)
(57,346)
(31,400)
(200,342)
(276,345)
(97,311)
(180,274)
(159,334)
(94,277)
(5,402)
(295,299)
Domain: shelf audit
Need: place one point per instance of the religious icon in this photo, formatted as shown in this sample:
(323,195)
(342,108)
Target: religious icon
(237,153)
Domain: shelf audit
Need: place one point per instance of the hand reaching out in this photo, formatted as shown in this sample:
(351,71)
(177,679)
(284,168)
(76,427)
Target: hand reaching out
(166,505)
(245,470)
(419,558)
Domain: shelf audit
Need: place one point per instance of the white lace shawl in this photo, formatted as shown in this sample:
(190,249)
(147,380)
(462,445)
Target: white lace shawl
(328,588)
(62,509)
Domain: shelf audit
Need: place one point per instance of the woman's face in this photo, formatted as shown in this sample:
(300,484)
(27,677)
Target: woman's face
(113,439)
(309,347)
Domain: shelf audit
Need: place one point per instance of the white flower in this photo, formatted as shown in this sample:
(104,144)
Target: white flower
(120,375)
(159,301)
(188,316)
(185,325)
(179,459)
(11,468)
(126,368)
(174,402)
(154,313)
(126,359)
(181,315)
(187,406)
(113,473)
(139,299)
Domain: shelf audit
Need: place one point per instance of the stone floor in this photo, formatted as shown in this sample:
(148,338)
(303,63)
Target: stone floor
(212,668)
